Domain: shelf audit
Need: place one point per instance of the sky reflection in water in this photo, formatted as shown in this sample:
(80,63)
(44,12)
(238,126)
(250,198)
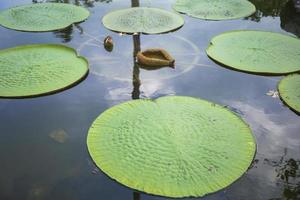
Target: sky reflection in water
(34,166)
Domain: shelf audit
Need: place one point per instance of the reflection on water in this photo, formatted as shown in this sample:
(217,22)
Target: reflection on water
(287,173)
(87,3)
(267,8)
(115,65)
(136,196)
(290,19)
(35,166)
(136,70)
(136,82)
(65,34)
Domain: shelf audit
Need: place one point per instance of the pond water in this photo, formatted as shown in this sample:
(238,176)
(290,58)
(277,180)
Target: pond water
(43,152)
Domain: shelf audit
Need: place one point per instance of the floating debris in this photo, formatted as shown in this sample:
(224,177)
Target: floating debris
(273,94)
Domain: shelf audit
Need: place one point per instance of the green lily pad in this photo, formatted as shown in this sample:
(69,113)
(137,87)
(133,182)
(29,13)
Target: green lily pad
(42,16)
(142,20)
(289,90)
(256,52)
(215,9)
(173,146)
(35,70)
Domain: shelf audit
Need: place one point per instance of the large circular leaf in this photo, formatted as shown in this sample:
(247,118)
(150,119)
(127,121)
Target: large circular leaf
(34,70)
(215,9)
(256,52)
(142,20)
(42,16)
(173,146)
(289,90)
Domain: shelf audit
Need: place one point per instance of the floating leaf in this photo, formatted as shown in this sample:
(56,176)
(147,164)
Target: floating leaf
(289,90)
(256,52)
(215,9)
(34,70)
(142,20)
(42,16)
(173,146)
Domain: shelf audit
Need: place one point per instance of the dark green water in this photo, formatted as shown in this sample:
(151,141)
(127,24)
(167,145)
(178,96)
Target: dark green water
(33,166)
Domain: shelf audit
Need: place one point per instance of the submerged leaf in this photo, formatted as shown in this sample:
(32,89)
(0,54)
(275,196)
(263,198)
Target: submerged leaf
(173,146)
(215,9)
(289,90)
(34,70)
(256,52)
(42,16)
(59,136)
(142,20)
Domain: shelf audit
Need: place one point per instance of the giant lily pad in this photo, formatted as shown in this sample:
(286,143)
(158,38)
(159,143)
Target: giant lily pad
(289,90)
(215,9)
(173,146)
(34,70)
(256,52)
(42,16)
(142,20)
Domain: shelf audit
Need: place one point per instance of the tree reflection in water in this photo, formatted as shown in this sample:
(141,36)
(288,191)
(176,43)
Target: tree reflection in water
(267,8)
(67,33)
(290,19)
(87,3)
(287,174)
(136,74)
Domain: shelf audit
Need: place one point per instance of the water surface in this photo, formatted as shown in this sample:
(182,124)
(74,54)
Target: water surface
(34,166)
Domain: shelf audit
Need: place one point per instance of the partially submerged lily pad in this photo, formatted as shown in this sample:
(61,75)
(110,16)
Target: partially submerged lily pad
(173,146)
(215,9)
(42,16)
(256,52)
(40,69)
(289,90)
(142,20)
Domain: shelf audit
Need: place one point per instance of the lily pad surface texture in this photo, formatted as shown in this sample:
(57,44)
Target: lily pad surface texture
(289,90)
(173,146)
(256,52)
(35,70)
(142,20)
(215,9)
(42,16)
